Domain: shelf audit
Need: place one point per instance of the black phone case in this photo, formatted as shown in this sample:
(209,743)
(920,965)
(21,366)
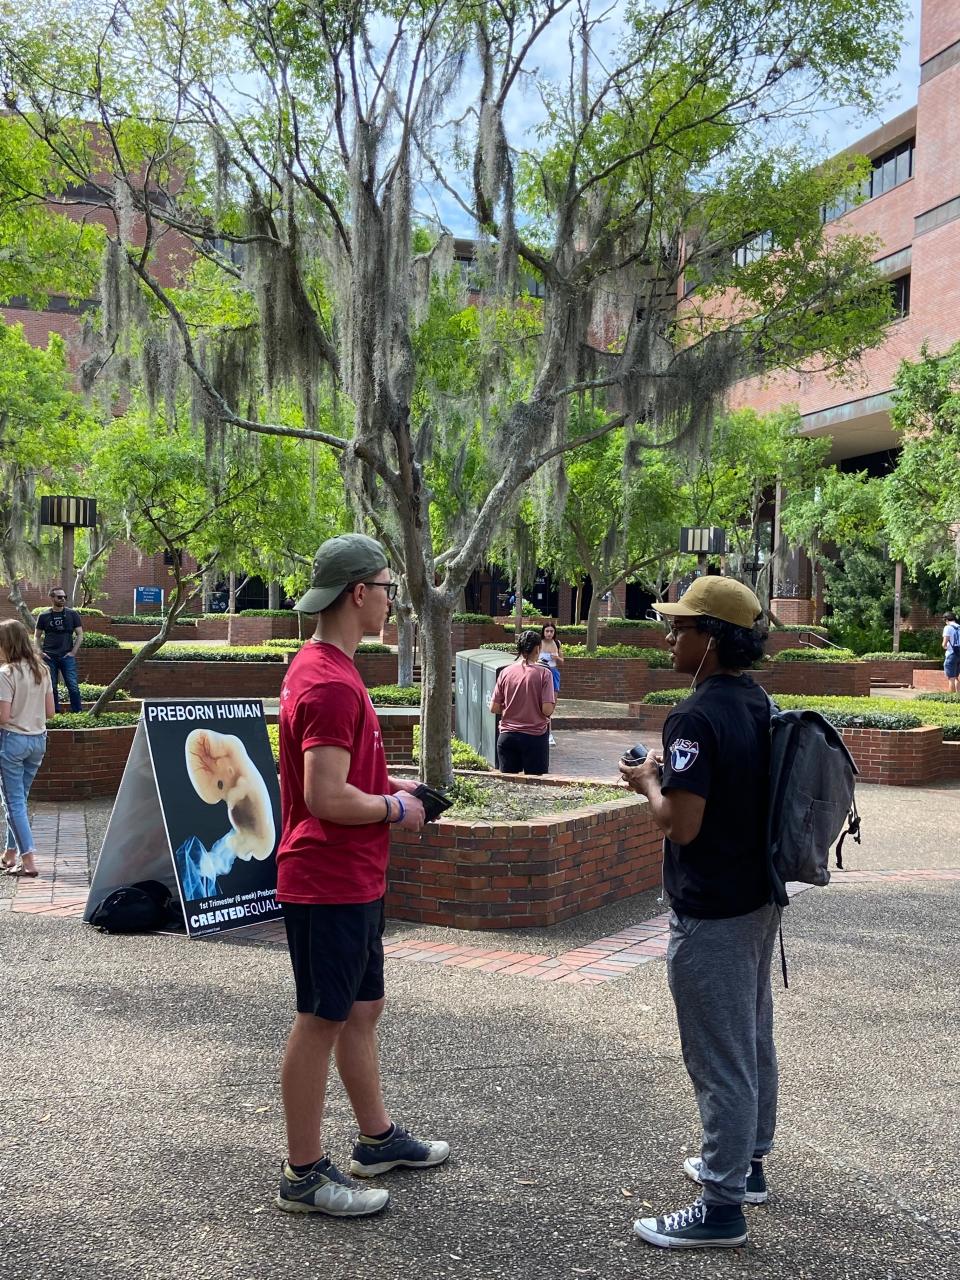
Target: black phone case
(434,802)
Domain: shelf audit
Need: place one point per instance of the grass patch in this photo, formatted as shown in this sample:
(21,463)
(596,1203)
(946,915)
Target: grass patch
(815,655)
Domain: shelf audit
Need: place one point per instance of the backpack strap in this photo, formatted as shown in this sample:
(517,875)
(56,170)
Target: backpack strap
(783,954)
(853,829)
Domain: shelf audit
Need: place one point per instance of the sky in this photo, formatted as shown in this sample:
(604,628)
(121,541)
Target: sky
(835,129)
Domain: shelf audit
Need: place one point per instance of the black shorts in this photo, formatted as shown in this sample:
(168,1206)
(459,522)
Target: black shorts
(523,752)
(337,955)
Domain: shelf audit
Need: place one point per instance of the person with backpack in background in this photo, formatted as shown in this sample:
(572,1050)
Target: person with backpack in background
(26,703)
(708,793)
(951,649)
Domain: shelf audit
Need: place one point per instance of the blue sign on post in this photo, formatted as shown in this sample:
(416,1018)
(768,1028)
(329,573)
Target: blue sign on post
(147,595)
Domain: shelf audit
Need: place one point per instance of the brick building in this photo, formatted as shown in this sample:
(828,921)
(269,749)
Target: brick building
(912,203)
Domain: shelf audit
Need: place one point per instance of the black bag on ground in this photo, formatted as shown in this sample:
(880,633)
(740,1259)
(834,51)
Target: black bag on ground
(811,797)
(136,908)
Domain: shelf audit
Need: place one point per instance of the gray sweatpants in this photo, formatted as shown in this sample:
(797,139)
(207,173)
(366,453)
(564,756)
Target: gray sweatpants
(719,974)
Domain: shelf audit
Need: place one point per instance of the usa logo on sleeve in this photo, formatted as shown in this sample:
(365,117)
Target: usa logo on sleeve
(683,754)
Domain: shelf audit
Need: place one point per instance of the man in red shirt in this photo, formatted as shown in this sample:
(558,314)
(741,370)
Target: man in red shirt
(337,804)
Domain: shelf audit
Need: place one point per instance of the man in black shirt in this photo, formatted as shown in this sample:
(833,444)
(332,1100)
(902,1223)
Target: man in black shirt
(59,634)
(711,804)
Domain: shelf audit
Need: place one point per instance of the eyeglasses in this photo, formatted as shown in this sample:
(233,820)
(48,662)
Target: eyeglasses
(389,587)
(57,596)
(675,630)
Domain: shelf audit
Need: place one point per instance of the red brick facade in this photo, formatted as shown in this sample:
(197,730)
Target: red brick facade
(821,679)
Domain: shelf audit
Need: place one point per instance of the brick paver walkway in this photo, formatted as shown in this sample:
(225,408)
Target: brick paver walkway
(606,959)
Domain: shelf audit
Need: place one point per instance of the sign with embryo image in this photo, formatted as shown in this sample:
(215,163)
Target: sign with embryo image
(198,809)
(218,791)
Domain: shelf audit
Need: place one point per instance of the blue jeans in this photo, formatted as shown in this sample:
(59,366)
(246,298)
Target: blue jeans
(20,757)
(67,667)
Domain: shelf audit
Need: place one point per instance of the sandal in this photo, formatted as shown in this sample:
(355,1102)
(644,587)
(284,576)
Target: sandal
(9,859)
(18,869)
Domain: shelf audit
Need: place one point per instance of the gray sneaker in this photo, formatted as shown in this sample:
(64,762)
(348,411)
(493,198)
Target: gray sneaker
(756,1187)
(324,1189)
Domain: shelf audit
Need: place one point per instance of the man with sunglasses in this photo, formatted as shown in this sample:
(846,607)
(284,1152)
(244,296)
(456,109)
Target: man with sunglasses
(338,804)
(708,794)
(59,634)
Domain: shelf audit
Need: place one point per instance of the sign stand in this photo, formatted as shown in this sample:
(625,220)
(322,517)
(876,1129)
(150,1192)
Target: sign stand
(199,810)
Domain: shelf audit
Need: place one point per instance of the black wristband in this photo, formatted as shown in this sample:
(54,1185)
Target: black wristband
(386,801)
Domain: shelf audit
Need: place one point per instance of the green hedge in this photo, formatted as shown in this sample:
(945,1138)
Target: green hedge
(480,619)
(90,693)
(85,720)
(894,657)
(660,658)
(218,653)
(938,697)
(393,695)
(264,613)
(464,756)
(814,655)
(97,640)
(850,713)
(149,620)
(799,626)
(86,612)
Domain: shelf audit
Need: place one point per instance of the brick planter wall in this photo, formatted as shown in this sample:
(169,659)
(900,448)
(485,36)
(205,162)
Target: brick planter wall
(471,635)
(82,763)
(931,680)
(159,679)
(377,668)
(509,875)
(100,666)
(256,630)
(900,673)
(818,679)
(396,725)
(606,679)
(897,757)
(124,631)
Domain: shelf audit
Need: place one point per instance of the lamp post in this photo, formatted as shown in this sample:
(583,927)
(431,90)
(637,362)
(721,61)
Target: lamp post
(68,514)
(703,542)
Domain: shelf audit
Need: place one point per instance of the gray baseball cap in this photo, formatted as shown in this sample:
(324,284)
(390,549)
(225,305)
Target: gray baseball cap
(339,561)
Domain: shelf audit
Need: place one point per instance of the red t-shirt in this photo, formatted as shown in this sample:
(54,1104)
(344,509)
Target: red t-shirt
(324,703)
(524,688)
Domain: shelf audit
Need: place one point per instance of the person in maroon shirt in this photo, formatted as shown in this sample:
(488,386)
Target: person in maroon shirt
(337,802)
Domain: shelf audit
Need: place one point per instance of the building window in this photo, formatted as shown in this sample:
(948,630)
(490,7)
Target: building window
(753,249)
(900,296)
(888,171)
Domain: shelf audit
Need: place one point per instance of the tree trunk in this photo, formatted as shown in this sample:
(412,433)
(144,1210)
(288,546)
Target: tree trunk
(593,621)
(405,645)
(231,606)
(518,607)
(273,595)
(436,665)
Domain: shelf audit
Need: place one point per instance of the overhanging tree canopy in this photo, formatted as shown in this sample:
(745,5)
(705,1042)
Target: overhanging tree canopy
(294,147)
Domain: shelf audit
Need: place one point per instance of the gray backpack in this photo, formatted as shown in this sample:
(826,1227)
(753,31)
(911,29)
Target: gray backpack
(811,796)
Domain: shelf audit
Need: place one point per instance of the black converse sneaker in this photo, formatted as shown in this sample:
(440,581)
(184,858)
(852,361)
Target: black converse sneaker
(372,1157)
(698,1226)
(756,1187)
(324,1189)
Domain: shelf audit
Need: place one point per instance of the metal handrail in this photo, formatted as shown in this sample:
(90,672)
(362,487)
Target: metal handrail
(811,639)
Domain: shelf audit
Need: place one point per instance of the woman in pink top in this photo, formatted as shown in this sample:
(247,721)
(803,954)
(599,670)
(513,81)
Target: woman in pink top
(524,700)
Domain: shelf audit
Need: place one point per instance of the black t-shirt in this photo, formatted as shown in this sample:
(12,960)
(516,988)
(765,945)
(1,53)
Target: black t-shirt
(717,745)
(57,630)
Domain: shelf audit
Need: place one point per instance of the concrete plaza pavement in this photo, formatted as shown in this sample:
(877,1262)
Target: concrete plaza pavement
(140,1123)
